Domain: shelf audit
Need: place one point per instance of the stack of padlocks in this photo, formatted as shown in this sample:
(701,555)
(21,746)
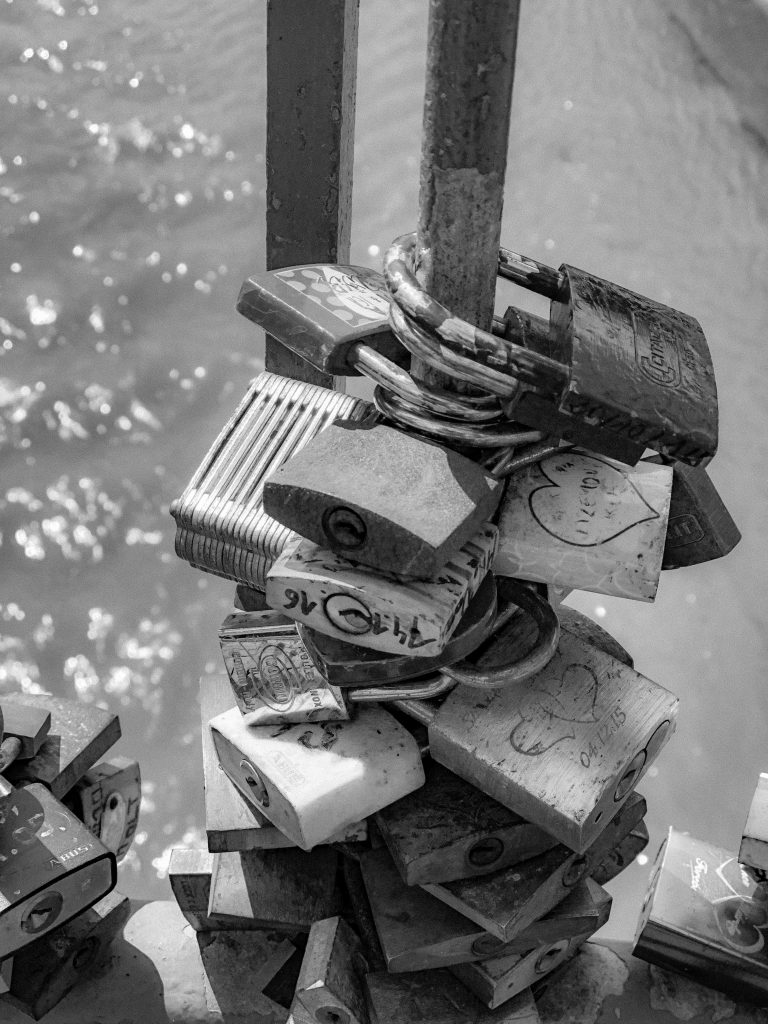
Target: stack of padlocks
(407,689)
(65,821)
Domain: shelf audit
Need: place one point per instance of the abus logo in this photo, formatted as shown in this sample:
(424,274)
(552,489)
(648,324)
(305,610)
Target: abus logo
(656,352)
(277,682)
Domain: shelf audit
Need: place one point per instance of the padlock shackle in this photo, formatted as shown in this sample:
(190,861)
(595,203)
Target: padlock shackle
(389,693)
(536,277)
(10,748)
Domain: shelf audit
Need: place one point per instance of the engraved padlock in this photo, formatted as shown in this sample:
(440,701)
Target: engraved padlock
(382,497)
(311,780)
(753,850)
(700,527)
(222,527)
(638,370)
(107,800)
(376,609)
(585,717)
(704,917)
(580,520)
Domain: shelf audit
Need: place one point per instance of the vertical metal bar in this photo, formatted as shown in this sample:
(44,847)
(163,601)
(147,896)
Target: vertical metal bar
(467,104)
(311,79)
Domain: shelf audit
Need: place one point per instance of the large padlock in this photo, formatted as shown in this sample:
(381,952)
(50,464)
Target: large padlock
(565,748)
(753,850)
(107,800)
(222,527)
(506,902)
(382,497)
(580,520)
(285,890)
(704,917)
(638,370)
(312,780)
(418,931)
(330,985)
(700,527)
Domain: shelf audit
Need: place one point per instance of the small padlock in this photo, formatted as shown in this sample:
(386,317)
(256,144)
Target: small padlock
(437,997)
(585,718)
(508,901)
(382,497)
(576,519)
(221,523)
(418,931)
(638,370)
(48,968)
(285,890)
(704,917)
(107,800)
(700,527)
(377,609)
(312,780)
(753,851)
(237,967)
(330,984)
(622,855)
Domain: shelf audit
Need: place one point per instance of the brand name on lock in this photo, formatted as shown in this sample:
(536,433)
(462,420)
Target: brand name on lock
(656,353)
(346,296)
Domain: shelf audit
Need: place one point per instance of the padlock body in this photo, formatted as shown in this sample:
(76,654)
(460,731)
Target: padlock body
(753,850)
(222,527)
(701,918)
(51,867)
(273,677)
(330,984)
(375,609)
(565,747)
(622,855)
(107,799)
(319,311)
(575,519)
(637,368)
(311,780)
(362,491)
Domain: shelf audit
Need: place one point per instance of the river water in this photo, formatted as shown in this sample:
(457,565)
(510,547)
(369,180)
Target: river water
(131,208)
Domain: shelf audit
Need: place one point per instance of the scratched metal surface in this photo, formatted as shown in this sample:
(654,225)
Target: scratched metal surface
(132,208)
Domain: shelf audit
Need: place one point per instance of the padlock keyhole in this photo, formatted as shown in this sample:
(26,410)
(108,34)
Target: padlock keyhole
(344,528)
(331,1015)
(485,852)
(255,783)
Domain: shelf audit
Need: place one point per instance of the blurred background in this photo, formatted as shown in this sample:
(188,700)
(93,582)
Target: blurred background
(132,207)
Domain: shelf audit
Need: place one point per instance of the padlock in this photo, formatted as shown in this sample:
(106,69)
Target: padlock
(107,800)
(376,609)
(704,917)
(48,968)
(506,902)
(27,725)
(51,867)
(563,749)
(273,677)
(345,664)
(576,519)
(189,872)
(448,829)
(222,527)
(312,780)
(233,822)
(498,979)
(418,931)
(79,735)
(700,527)
(382,497)
(237,966)
(330,984)
(581,626)
(639,371)
(437,997)
(753,850)
(284,890)
(622,855)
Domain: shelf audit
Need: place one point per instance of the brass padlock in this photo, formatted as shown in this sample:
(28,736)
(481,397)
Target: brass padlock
(382,497)
(700,527)
(46,969)
(221,523)
(312,780)
(330,985)
(585,718)
(638,370)
(418,931)
(622,855)
(705,917)
(376,609)
(436,997)
(508,901)
(575,519)
(753,850)
(284,890)
(107,800)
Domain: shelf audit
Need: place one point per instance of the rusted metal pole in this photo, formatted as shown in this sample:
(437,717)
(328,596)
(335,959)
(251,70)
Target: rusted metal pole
(311,79)
(467,103)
